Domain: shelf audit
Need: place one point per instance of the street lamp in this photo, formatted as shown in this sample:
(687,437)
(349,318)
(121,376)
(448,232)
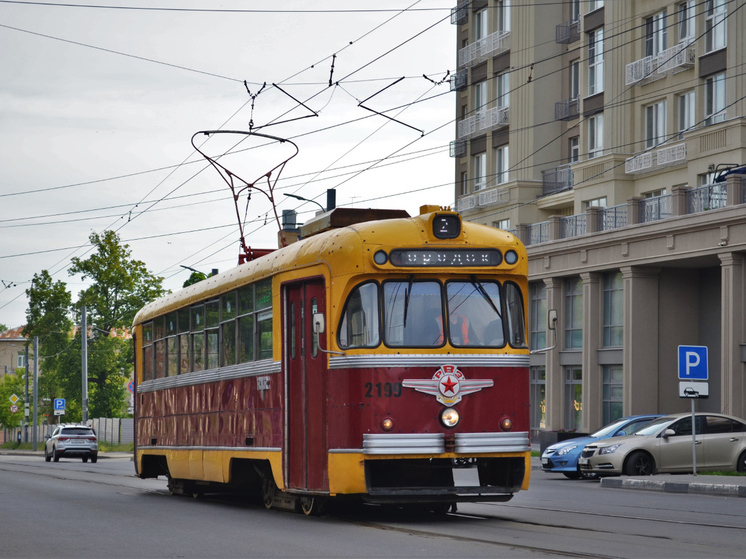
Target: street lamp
(306,200)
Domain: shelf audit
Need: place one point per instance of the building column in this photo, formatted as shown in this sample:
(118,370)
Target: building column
(592,325)
(640,349)
(733,399)
(554,378)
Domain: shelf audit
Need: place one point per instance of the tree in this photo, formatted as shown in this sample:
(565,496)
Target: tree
(195,277)
(10,384)
(121,286)
(3,327)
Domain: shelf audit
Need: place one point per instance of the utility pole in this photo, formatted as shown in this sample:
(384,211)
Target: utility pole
(26,402)
(84,339)
(36,388)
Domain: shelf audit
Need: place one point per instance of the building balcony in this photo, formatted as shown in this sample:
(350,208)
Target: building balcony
(480,50)
(484,197)
(652,68)
(654,160)
(483,121)
(459,80)
(567,109)
(457,148)
(460,13)
(557,179)
(568,32)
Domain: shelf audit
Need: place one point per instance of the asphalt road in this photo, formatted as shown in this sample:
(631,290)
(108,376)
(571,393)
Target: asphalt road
(72,509)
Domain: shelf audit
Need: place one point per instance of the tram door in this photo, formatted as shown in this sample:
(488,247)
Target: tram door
(306,451)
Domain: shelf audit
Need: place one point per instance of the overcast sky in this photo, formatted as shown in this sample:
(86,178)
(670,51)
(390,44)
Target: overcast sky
(98,107)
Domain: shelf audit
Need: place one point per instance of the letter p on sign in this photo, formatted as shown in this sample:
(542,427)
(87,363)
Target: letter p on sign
(693,362)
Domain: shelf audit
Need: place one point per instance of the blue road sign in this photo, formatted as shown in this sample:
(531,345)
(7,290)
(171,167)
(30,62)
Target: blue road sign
(59,403)
(693,362)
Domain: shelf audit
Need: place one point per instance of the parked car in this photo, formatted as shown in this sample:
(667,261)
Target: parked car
(563,457)
(665,445)
(72,441)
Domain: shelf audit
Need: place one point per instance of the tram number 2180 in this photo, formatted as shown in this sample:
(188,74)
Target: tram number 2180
(382,389)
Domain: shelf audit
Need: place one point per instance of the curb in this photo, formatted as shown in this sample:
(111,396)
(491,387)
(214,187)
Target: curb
(723,489)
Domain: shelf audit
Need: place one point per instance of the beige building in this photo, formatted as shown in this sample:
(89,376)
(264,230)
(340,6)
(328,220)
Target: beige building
(12,351)
(595,131)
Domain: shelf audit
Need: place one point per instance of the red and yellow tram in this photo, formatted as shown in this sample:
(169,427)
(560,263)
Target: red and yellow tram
(365,360)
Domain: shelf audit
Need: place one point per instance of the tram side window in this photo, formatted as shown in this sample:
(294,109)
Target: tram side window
(516,318)
(413,314)
(147,351)
(184,341)
(475,314)
(360,324)
(172,345)
(254,328)
(198,338)
(212,323)
(228,329)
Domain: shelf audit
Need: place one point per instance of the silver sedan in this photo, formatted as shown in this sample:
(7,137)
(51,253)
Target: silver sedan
(666,445)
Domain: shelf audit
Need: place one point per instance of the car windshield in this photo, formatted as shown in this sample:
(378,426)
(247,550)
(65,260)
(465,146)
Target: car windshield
(609,429)
(76,431)
(654,426)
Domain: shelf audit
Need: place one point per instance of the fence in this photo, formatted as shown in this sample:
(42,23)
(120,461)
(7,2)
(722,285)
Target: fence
(108,430)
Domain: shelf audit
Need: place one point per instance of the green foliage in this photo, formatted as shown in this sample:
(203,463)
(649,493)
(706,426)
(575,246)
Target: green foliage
(196,277)
(3,327)
(10,384)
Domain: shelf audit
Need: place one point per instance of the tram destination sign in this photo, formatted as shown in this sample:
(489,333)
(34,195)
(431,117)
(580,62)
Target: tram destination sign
(447,257)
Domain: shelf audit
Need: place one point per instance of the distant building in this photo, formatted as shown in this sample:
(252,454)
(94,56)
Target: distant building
(12,351)
(595,133)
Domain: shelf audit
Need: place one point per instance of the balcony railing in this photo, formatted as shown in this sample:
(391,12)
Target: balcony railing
(573,225)
(676,59)
(612,218)
(538,232)
(568,32)
(483,121)
(492,45)
(557,179)
(655,208)
(654,160)
(639,70)
(483,198)
(460,80)
(568,109)
(457,148)
(707,197)
(460,14)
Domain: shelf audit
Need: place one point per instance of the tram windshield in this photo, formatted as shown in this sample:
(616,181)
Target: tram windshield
(424,313)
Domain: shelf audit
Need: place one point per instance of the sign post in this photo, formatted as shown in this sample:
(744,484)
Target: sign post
(693,375)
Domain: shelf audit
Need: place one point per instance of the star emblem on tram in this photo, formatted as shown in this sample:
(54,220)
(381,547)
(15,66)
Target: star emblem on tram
(448,385)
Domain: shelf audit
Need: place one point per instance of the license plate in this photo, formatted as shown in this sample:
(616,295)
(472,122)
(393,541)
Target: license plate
(545,461)
(73,441)
(583,461)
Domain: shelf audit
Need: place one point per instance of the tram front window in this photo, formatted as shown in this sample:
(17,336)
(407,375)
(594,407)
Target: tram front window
(413,313)
(475,314)
(359,326)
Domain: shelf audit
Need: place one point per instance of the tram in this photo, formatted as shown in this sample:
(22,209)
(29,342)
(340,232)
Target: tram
(365,361)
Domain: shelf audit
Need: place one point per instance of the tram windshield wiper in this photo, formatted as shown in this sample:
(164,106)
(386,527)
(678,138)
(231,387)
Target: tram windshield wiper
(483,292)
(407,295)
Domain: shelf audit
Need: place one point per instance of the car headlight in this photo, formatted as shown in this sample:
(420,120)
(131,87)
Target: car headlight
(565,449)
(609,449)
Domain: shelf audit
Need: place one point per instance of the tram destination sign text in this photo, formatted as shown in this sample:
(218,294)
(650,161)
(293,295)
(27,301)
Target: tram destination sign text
(446,257)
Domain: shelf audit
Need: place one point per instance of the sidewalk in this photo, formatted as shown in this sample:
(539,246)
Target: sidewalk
(729,486)
(40,453)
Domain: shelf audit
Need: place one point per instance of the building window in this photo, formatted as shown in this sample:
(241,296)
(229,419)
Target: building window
(503,224)
(595,136)
(481,24)
(686,114)
(573,398)
(464,184)
(480,171)
(613,310)
(538,315)
(574,149)
(503,16)
(715,24)
(613,392)
(595,5)
(575,10)
(706,178)
(538,397)
(655,124)
(654,193)
(715,99)
(573,313)
(502,164)
(503,90)
(655,34)
(595,203)
(685,22)
(596,61)
(21,361)
(480,96)
(574,79)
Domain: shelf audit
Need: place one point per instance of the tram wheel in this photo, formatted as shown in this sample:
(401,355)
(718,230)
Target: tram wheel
(311,506)
(268,490)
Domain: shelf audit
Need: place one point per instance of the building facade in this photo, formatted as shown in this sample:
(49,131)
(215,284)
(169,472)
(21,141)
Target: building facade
(12,351)
(598,133)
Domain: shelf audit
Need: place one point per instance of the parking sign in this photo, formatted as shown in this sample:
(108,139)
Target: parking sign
(693,362)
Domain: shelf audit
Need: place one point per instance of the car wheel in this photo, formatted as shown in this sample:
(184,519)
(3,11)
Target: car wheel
(56,456)
(85,459)
(94,459)
(741,465)
(639,463)
(47,457)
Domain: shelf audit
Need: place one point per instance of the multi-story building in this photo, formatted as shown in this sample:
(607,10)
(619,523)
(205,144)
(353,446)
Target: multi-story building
(12,351)
(594,131)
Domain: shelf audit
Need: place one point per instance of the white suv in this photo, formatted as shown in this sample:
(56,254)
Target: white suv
(72,441)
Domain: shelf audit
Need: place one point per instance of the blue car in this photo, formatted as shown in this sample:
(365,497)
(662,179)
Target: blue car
(563,457)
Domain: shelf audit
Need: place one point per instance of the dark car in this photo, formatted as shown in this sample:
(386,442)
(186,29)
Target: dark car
(72,441)
(563,457)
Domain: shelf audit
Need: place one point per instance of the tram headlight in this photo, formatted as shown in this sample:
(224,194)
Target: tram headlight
(450,417)
(506,423)
(511,257)
(380,257)
(387,424)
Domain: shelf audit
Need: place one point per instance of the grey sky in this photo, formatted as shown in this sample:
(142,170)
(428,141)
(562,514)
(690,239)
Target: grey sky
(98,106)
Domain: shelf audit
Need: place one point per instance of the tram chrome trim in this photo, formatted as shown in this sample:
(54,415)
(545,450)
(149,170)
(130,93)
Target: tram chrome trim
(368,361)
(403,443)
(256,368)
(479,443)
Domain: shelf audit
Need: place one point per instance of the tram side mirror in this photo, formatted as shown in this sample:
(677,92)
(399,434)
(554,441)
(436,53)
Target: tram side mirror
(318,323)
(552,319)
